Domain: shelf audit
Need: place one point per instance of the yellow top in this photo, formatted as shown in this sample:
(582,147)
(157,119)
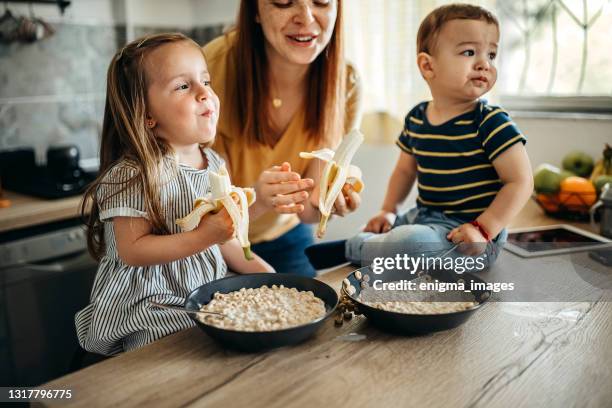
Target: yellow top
(245,163)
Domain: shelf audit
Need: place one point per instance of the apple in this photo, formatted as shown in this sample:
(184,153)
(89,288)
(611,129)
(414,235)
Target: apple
(579,163)
(547,179)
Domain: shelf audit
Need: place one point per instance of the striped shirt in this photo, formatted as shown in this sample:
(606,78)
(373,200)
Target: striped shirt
(119,316)
(454,160)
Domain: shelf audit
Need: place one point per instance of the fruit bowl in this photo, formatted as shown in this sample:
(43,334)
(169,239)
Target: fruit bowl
(566,205)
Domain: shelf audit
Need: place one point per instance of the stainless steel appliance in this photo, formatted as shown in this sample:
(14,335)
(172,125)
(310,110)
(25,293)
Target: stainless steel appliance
(46,276)
(604,204)
(606,215)
(61,176)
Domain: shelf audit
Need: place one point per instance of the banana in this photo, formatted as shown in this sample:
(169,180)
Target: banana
(603,167)
(338,171)
(223,194)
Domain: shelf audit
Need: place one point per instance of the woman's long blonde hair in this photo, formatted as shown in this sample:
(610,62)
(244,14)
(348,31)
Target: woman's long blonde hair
(125,136)
(325,98)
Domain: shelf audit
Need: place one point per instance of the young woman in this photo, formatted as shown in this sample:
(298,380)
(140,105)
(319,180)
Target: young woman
(284,88)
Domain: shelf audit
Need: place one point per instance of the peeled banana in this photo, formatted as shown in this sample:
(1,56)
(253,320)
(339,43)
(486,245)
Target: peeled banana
(223,194)
(336,173)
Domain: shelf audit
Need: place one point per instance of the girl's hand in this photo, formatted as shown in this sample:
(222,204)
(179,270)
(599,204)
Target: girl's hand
(219,225)
(381,222)
(281,189)
(471,240)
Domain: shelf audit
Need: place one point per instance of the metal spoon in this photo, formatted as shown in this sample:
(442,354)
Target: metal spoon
(449,251)
(182,309)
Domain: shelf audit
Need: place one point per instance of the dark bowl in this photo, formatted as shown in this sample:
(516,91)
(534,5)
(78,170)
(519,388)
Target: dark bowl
(403,323)
(256,341)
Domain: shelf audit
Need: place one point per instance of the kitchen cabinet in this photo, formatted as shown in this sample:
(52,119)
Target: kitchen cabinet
(46,276)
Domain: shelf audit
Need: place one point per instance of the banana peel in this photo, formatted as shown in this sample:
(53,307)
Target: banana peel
(223,194)
(338,171)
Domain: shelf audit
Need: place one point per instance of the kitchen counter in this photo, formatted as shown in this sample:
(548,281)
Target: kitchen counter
(507,354)
(27,211)
(532,215)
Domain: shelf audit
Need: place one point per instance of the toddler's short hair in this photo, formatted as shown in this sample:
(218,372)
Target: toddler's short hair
(432,24)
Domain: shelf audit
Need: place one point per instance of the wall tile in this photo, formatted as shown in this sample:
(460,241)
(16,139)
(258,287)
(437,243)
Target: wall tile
(52,92)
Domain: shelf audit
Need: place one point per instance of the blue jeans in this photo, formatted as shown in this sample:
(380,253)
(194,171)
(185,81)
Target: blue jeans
(418,231)
(286,253)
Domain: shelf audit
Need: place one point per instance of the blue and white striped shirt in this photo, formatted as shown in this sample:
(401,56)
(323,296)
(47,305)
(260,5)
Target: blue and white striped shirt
(119,316)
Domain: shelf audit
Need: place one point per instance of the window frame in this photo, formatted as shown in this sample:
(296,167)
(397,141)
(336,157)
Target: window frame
(579,104)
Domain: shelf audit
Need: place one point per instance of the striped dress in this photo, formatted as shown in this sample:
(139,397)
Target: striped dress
(119,316)
(454,160)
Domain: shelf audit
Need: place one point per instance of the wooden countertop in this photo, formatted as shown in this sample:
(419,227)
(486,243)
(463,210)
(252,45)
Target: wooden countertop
(532,215)
(26,211)
(507,354)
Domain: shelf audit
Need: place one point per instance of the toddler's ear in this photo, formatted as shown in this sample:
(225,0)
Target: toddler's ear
(425,65)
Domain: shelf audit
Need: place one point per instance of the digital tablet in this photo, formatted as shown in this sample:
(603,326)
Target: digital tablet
(558,239)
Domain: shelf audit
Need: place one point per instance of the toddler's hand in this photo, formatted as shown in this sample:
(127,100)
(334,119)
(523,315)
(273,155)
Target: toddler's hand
(471,240)
(381,222)
(219,225)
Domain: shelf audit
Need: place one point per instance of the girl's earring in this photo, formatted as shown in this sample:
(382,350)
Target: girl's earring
(150,123)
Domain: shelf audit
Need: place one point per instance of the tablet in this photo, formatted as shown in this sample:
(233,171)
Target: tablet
(558,239)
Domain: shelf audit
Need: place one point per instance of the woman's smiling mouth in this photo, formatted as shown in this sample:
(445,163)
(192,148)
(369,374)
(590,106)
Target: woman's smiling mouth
(302,40)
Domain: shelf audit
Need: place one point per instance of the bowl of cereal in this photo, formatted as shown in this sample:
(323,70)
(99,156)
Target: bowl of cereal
(414,304)
(262,311)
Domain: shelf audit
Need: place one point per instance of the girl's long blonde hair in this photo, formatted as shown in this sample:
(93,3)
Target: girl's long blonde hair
(125,136)
(325,98)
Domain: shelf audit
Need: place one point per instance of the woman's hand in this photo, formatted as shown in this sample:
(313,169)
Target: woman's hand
(218,225)
(381,222)
(281,189)
(471,240)
(345,203)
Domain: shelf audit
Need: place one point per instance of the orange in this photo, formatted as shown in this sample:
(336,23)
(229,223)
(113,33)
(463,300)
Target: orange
(577,193)
(550,202)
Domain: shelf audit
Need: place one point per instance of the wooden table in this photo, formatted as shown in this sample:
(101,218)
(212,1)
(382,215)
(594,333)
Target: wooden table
(508,354)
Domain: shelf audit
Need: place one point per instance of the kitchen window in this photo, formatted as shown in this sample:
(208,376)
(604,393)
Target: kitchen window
(554,54)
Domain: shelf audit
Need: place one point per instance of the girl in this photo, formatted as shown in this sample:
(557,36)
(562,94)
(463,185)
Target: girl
(160,119)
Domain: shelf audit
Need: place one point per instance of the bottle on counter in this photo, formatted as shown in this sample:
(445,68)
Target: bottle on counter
(605,202)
